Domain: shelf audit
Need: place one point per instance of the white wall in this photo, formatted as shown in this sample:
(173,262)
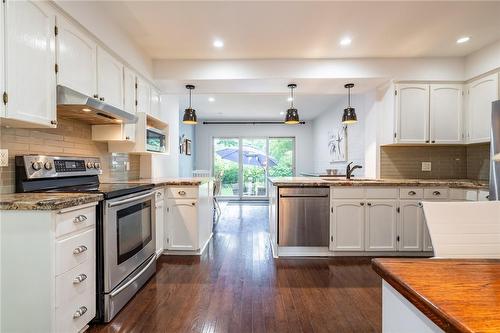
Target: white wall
(95,20)
(482,61)
(302,134)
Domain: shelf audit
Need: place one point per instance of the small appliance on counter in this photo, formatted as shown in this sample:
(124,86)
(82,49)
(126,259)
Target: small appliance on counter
(156,140)
(495,152)
(125,223)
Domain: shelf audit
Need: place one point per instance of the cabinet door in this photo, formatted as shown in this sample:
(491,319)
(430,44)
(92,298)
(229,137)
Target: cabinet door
(30,63)
(129,99)
(381,225)
(109,79)
(155,103)
(481,93)
(182,222)
(412,105)
(2,57)
(427,243)
(410,224)
(160,222)
(347,225)
(76,58)
(446,113)
(143,96)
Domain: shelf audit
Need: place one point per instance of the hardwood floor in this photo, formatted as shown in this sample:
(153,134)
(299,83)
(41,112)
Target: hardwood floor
(236,286)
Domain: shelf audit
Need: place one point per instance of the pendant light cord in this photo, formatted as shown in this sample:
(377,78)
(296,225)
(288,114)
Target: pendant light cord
(291,95)
(190,98)
(349,97)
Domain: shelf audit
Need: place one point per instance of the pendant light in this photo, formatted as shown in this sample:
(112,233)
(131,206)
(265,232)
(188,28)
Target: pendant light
(349,116)
(190,113)
(292,115)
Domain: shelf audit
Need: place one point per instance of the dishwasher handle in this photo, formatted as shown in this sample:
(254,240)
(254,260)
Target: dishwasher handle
(303,196)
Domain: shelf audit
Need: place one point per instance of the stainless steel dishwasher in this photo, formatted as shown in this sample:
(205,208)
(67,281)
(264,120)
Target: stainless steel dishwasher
(304,216)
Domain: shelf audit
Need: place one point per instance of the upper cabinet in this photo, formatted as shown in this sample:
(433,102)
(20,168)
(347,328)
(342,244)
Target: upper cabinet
(76,58)
(109,79)
(155,103)
(29,92)
(143,96)
(2,58)
(480,94)
(429,113)
(412,112)
(446,113)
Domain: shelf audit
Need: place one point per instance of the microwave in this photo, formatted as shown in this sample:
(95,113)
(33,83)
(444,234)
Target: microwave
(156,140)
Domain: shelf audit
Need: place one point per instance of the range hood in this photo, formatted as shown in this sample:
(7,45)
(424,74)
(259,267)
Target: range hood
(74,105)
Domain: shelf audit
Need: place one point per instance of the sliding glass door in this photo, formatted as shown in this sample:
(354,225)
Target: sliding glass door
(242,165)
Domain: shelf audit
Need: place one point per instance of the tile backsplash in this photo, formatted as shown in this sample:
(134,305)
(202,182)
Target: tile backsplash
(447,162)
(70,138)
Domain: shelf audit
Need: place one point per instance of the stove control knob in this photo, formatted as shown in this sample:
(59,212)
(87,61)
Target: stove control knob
(37,165)
(97,165)
(48,165)
(90,165)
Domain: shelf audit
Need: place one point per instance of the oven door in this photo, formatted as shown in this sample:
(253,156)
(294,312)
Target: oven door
(129,235)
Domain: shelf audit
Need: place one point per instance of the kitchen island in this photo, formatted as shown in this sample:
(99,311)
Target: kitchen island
(371,217)
(439,295)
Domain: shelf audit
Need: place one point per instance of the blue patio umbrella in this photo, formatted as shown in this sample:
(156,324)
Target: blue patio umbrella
(251,156)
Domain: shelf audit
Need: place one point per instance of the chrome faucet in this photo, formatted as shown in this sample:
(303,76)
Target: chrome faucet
(349,170)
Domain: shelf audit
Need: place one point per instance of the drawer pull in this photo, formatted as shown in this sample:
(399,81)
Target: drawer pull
(80,219)
(193,203)
(412,193)
(182,192)
(436,193)
(362,203)
(369,204)
(79,279)
(419,204)
(80,312)
(80,249)
(158,194)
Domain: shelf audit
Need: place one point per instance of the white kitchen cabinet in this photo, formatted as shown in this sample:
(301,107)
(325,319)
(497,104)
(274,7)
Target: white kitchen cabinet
(182,222)
(129,101)
(160,220)
(143,96)
(381,225)
(481,93)
(2,57)
(410,225)
(427,244)
(76,58)
(412,112)
(347,225)
(155,104)
(109,79)
(446,113)
(30,86)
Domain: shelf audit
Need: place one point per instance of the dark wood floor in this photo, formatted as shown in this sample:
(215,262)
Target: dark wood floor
(236,286)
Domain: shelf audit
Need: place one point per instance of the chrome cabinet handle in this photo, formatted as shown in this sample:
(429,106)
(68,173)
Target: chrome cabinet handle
(487,197)
(96,96)
(80,219)
(80,249)
(436,193)
(182,192)
(193,204)
(419,204)
(127,138)
(369,204)
(101,99)
(362,203)
(412,193)
(80,312)
(53,122)
(79,279)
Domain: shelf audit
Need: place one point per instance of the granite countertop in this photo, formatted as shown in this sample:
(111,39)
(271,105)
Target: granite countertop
(45,201)
(458,295)
(315,181)
(191,181)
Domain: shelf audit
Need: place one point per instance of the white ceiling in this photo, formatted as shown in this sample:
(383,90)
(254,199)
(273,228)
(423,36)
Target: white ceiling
(307,29)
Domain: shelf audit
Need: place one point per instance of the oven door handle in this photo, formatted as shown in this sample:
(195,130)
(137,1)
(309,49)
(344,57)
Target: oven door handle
(119,290)
(117,203)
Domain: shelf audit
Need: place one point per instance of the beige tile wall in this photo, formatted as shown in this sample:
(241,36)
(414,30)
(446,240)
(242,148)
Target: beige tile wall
(448,162)
(70,138)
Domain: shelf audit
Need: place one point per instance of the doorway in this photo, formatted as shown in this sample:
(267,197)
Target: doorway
(244,164)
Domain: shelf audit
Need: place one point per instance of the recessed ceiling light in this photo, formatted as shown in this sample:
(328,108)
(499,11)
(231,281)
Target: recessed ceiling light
(211,99)
(282,113)
(289,99)
(218,43)
(462,40)
(346,41)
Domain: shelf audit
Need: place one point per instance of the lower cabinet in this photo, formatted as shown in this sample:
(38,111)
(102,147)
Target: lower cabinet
(410,225)
(427,239)
(381,225)
(347,225)
(160,220)
(182,224)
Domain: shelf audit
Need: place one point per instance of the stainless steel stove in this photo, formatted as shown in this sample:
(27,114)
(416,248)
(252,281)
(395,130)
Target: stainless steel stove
(125,232)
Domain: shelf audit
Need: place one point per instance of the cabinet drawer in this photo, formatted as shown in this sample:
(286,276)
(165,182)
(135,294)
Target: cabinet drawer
(74,283)
(411,193)
(74,316)
(483,195)
(436,193)
(182,192)
(74,220)
(74,250)
(348,192)
(382,193)
(159,195)
(463,195)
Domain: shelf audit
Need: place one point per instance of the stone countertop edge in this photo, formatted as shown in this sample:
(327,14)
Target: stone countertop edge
(164,181)
(46,201)
(313,181)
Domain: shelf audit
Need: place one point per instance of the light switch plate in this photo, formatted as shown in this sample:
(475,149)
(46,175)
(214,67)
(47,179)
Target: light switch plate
(426,166)
(4,157)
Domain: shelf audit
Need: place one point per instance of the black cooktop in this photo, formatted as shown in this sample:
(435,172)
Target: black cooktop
(108,190)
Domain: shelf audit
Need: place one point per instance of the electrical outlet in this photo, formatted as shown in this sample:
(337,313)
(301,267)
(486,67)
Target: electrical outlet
(4,157)
(426,166)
